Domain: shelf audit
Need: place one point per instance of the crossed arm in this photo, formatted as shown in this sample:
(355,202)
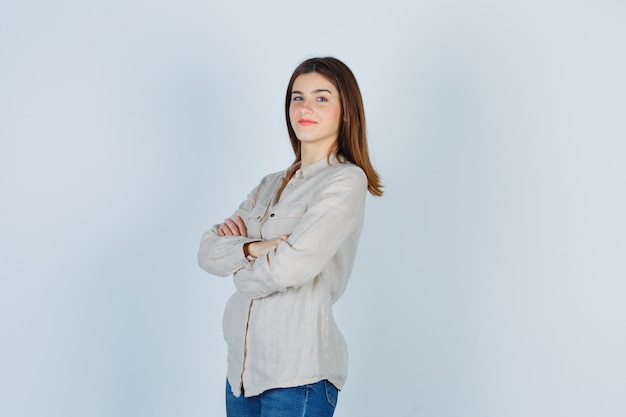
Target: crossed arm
(330,222)
(254,249)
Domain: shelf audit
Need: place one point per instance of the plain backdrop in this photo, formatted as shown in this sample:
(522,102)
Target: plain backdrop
(490,279)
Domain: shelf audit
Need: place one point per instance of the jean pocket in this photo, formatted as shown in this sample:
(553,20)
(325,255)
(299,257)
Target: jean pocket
(331,393)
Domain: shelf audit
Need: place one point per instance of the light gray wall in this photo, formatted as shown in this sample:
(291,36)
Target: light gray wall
(490,280)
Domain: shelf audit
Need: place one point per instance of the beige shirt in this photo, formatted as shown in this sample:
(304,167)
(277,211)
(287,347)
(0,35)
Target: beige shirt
(279,324)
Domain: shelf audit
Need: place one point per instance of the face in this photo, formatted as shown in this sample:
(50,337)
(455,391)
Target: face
(315,110)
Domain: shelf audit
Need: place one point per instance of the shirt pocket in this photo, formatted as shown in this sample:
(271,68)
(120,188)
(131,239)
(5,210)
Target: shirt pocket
(283,219)
(253,223)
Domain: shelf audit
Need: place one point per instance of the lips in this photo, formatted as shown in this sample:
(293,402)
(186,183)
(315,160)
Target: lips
(306,122)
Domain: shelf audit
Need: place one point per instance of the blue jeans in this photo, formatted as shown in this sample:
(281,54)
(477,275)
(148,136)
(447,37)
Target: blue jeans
(313,400)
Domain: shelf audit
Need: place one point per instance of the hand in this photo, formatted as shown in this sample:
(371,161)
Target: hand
(256,249)
(233,228)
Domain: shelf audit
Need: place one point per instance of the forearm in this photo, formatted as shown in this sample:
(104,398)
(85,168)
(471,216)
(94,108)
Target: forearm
(221,247)
(222,255)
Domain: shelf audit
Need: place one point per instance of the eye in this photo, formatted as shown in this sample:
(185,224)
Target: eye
(297,98)
(321,99)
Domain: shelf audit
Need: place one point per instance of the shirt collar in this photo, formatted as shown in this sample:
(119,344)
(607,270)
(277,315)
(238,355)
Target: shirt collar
(312,169)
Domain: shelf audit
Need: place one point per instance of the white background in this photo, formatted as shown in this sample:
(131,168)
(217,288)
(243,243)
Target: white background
(491,277)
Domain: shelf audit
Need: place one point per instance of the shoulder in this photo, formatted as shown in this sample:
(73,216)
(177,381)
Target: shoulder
(348,172)
(272,178)
(266,186)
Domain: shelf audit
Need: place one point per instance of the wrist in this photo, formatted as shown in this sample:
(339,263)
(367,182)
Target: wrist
(246,251)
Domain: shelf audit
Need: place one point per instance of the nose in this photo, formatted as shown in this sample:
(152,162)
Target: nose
(305,108)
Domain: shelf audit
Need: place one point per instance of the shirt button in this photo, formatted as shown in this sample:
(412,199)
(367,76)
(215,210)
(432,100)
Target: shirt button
(272,215)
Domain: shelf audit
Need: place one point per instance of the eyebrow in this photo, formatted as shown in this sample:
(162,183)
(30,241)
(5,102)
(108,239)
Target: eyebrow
(319,90)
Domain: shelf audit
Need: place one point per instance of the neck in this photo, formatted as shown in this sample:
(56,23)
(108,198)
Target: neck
(310,153)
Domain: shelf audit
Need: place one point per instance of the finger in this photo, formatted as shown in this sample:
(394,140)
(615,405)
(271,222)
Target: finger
(242,226)
(232,227)
(220,231)
(277,240)
(225,230)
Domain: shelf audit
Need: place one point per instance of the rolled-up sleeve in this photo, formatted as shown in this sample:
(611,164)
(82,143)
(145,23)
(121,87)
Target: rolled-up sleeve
(332,217)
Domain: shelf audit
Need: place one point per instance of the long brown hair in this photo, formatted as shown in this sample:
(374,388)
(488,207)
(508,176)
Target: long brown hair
(352,139)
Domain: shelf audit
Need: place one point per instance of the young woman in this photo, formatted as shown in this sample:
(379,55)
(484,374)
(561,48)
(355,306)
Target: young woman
(290,247)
